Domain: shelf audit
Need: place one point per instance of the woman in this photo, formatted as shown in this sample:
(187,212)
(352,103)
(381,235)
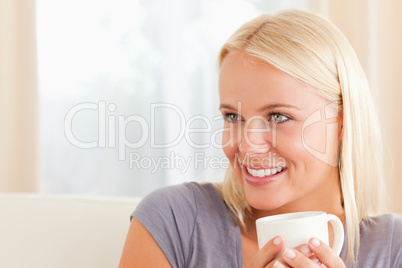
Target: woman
(301,134)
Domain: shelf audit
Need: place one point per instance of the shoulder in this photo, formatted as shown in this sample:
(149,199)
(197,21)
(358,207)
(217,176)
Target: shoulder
(175,201)
(170,214)
(169,195)
(187,196)
(390,226)
(191,224)
(381,225)
(381,239)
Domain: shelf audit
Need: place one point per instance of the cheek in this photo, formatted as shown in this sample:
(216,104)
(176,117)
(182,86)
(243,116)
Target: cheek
(320,140)
(230,141)
(289,142)
(314,137)
(298,149)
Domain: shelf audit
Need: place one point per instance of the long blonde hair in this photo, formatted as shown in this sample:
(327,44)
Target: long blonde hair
(313,50)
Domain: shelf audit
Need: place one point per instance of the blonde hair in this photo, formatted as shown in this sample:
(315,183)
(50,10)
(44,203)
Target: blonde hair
(314,51)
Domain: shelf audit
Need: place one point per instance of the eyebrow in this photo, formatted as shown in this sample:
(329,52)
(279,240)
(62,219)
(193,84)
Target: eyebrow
(263,108)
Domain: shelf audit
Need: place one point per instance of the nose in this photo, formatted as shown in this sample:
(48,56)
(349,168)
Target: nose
(257,137)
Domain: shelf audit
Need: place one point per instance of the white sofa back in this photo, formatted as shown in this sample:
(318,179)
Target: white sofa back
(39,231)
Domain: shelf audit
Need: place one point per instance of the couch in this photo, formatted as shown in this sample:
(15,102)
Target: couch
(61,231)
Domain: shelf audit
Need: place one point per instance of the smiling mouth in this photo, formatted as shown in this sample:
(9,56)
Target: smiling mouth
(260,177)
(265,172)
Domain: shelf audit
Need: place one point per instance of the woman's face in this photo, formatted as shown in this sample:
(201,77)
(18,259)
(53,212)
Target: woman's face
(280,137)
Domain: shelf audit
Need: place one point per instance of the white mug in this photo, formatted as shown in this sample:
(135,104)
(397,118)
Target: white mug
(297,228)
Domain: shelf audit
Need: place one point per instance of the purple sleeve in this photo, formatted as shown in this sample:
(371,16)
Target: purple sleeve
(169,215)
(192,226)
(381,242)
(396,244)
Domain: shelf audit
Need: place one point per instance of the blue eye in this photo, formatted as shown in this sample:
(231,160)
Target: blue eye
(230,117)
(279,118)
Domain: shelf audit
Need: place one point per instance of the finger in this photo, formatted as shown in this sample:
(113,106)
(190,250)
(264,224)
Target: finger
(278,264)
(295,258)
(304,248)
(324,253)
(268,251)
(308,253)
(316,260)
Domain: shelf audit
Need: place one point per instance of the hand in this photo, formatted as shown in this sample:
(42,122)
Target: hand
(312,254)
(265,258)
(266,255)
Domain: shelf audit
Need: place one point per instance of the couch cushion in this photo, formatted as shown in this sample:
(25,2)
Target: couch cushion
(40,231)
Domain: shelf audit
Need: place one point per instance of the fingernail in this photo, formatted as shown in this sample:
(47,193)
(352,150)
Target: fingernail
(305,249)
(290,253)
(277,264)
(277,240)
(314,259)
(315,242)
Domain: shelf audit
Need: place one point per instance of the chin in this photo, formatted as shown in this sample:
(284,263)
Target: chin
(262,201)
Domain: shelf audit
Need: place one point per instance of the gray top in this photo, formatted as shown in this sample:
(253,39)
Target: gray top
(192,225)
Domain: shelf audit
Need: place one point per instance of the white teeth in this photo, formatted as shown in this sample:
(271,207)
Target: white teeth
(264,172)
(261,173)
(252,172)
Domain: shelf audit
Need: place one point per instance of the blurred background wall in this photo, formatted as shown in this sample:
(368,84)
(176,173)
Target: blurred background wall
(19,134)
(374,30)
(119,57)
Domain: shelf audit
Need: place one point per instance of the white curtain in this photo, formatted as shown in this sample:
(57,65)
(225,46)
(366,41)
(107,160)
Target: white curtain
(112,62)
(18,97)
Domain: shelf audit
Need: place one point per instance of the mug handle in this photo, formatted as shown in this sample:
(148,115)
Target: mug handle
(338,232)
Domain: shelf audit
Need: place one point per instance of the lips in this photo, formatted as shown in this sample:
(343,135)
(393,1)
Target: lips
(261,180)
